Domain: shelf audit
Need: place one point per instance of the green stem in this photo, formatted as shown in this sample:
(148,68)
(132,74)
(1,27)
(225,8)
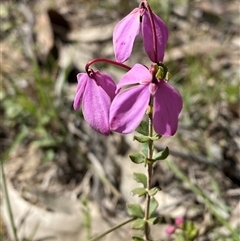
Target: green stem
(111,230)
(9,209)
(5,156)
(149,173)
(104,60)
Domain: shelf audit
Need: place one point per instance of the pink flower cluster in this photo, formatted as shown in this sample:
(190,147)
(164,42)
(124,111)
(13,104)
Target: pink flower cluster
(171,228)
(121,108)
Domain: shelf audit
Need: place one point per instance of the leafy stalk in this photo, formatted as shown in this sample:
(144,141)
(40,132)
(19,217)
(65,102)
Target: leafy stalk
(149,172)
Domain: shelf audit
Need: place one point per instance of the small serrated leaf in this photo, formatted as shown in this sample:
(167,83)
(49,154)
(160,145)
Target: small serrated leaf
(137,158)
(153,191)
(135,210)
(141,139)
(153,206)
(138,223)
(141,178)
(161,155)
(140,191)
(143,128)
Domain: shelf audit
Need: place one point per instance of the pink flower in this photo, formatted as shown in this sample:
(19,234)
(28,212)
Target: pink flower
(170,230)
(140,20)
(95,93)
(130,104)
(179,221)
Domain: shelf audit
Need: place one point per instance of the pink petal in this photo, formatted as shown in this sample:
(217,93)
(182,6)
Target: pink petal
(128,108)
(106,82)
(167,106)
(179,221)
(161,35)
(124,35)
(170,230)
(96,105)
(82,80)
(137,74)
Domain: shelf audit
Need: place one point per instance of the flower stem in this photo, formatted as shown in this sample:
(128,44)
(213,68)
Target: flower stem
(104,60)
(149,173)
(98,237)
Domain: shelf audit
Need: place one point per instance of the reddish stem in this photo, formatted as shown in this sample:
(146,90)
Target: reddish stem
(97,60)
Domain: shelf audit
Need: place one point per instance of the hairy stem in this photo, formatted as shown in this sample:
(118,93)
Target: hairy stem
(149,173)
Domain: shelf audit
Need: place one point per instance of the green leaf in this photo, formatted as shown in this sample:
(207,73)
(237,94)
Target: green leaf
(143,128)
(144,139)
(153,220)
(135,210)
(140,191)
(161,155)
(144,149)
(141,178)
(141,139)
(138,237)
(153,191)
(153,206)
(180,237)
(137,158)
(193,234)
(138,223)
(190,230)
(187,226)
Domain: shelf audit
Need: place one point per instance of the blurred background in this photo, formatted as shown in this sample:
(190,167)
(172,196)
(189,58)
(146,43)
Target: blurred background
(67,182)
